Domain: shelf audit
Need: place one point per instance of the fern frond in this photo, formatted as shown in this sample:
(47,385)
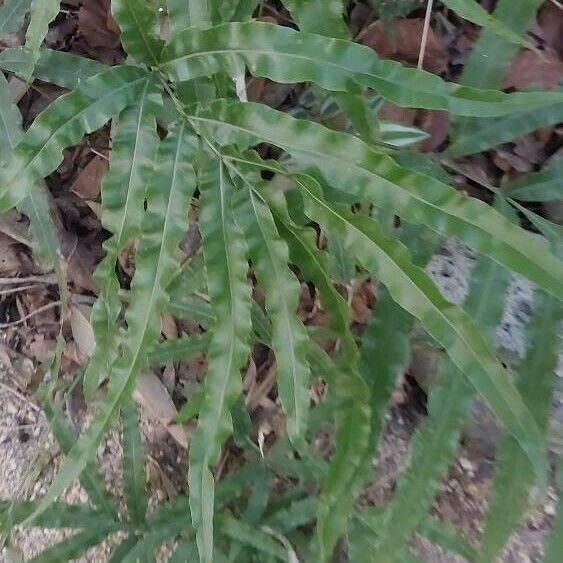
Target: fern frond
(484,71)
(536,381)
(36,205)
(57,67)
(137,22)
(12,13)
(290,341)
(346,472)
(306,14)
(132,161)
(544,185)
(435,444)
(62,124)
(472,11)
(225,255)
(482,134)
(289,56)
(168,195)
(43,12)
(448,325)
(371,176)
(133,465)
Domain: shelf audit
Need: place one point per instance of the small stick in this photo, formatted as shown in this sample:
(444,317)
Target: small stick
(425,29)
(32,314)
(48,279)
(19,289)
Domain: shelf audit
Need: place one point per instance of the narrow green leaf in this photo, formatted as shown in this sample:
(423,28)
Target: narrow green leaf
(475,13)
(191,407)
(250,535)
(444,535)
(270,257)
(59,515)
(132,160)
(168,195)
(57,67)
(62,124)
(123,549)
(514,474)
(12,13)
(478,135)
(137,21)
(225,255)
(319,16)
(435,443)
(450,326)
(188,14)
(361,116)
(144,549)
(489,59)
(91,480)
(36,204)
(10,121)
(370,176)
(544,185)
(299,513)
(72,547)
(285,55)
(178,349)
(133,465)
(346,472)
(186,550)
(43,12)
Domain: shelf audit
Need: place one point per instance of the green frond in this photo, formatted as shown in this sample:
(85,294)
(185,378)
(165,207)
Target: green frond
(57,67)
(284,55)
(544,185)
(132,161)
(42,13)
(133,465)
(514,474)
(435,443)
(374,177)
(12,13)
(307,15)
(62,124)
(168,195)
(472,11)
(226,258)
(468,349)
(138,24)
(270,257)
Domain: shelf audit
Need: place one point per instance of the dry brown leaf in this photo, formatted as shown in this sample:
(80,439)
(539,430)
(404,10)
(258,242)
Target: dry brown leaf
(550,23)
(96,24)
(402,43)
(89,180)
(528,69)
(151,394)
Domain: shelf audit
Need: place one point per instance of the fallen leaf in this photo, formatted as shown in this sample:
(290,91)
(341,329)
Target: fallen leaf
(89,180)
(151,394)
(528,69)
(402,43)
(96,24)
(82,329)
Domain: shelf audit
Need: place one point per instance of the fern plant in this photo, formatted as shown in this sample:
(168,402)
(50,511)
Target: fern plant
(184,135)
